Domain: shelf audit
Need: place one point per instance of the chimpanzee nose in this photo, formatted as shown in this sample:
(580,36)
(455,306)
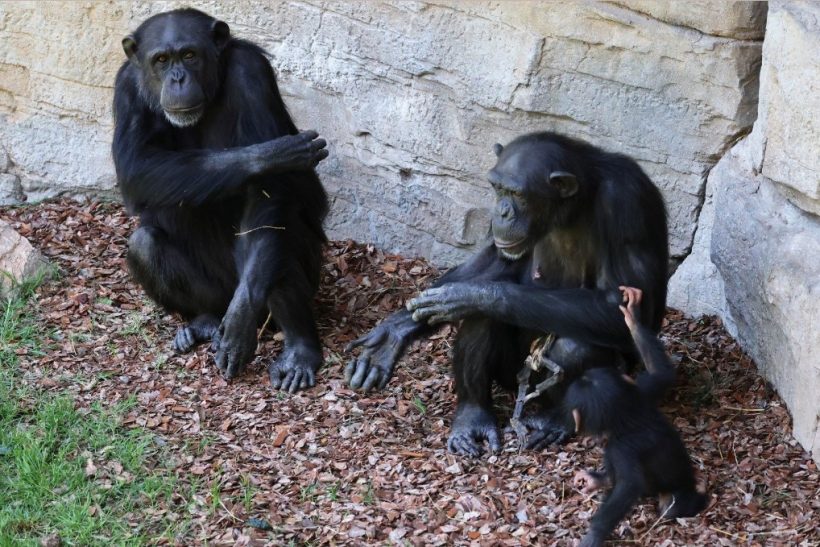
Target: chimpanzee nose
(505,209)
(177,76)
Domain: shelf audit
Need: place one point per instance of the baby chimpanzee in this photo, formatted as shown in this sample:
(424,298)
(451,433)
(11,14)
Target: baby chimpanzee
(644,454)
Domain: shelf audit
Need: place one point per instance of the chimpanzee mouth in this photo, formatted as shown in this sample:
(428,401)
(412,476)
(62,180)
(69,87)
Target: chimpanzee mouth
(512,250)
(184,117)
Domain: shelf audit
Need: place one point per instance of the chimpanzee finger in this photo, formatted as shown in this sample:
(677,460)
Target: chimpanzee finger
(319,156)
(216,340)
(466,446)
(234,365)
(308,380)
(392,357)
(309,134)
(493,440)
(318,144)
(540,439)
(349,369)
(275,377)
(372,379)
(368,340)
(362,369)
(426,315)
(184,340)
(424,300)
(295,380)
(286,380)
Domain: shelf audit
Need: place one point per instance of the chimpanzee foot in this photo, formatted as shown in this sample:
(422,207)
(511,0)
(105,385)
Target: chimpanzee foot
(545,429)
(234,343)
(295,368)
(201,329)
(472,426)
(589,481)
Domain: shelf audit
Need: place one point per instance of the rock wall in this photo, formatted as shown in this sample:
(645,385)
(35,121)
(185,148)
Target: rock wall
(757,262)
(411,96)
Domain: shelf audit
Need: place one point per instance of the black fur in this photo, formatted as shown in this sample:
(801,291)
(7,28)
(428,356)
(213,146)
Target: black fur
(230,207)
(644,454)
(572,223)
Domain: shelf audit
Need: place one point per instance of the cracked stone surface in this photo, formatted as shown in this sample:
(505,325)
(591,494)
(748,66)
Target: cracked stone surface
(756,256)
(412,95)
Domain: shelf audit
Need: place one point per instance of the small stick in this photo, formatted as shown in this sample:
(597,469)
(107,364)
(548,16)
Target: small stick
(660,518)
(265,324)
(520,429)
(739,409)
(246,232)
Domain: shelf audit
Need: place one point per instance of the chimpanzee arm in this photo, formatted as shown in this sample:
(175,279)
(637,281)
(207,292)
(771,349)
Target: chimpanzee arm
(629,486)
(660,372)
(585,314)
(660,375)
(152,176)
(384,345)
(591,315)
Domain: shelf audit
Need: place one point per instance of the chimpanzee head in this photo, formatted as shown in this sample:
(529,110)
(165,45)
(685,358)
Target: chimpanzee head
(537,182)
(177,54)
(602,401)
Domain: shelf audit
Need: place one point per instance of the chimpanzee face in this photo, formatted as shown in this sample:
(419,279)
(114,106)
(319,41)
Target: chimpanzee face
(178,62)
(531,189)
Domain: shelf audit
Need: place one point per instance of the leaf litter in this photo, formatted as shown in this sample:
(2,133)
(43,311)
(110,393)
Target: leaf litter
(331,466)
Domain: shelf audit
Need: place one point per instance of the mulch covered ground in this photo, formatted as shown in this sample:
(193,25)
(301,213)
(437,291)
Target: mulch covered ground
(334,466)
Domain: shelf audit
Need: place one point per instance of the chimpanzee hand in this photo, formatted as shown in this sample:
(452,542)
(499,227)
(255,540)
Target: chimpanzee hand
(202,329)
(454,301)
(632,310)
(295,368)
(546,428)
(382,348)
(589,481)
(472,426)
(288,153)
(235,342)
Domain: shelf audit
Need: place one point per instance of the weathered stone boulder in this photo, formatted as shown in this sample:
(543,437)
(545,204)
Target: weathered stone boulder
(788,129)
(767,251)
(18,259)
(756,258)
(412,95)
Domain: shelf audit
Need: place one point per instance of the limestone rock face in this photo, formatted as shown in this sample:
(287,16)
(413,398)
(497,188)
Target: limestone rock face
(18,258)
(789,117)
(756,257)
(412,95)
(768,252)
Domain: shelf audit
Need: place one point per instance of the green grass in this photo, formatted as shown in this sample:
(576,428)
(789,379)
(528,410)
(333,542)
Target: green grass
(47,486)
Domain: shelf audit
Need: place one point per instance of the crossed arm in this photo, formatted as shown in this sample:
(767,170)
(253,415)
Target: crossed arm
(490,287)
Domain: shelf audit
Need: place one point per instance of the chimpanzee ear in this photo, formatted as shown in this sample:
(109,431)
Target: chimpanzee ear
(221,33)
(497,148)
(576,415)
(129,45)
(564,182)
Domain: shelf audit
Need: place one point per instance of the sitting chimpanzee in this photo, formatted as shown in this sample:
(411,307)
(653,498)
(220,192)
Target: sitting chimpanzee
(572,223)
(644,455)
(230,208)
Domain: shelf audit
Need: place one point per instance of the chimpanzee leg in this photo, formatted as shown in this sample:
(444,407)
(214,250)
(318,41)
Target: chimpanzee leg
(290,306)
(484,351)
(546,423)
(280,259)
(179,284)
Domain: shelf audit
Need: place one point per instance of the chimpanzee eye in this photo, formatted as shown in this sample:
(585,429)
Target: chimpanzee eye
(188,55)
(162,59)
